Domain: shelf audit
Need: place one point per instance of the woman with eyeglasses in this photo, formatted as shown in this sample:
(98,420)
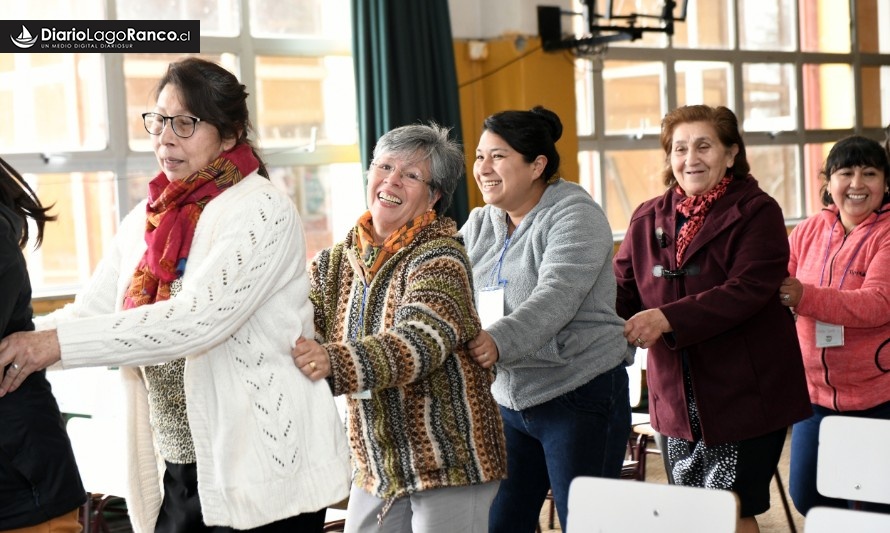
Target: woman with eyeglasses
(199,299)
(698,274)
(40,488)
(393,314)
(541,251)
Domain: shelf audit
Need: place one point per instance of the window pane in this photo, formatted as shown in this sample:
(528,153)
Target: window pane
(60,10)
(73,244)
(633,96)
(52,102)
(775,168)
(584,98)
(767,25)
(769,93)
(141,75)
(824,26)
(218,17)
(298,94)
(632,177)
(703,82)
(707,25)
(137,186)
(828,96)
(326,217)
(306,18)
(873,21)
(875,97)
(814,158)
(588,170)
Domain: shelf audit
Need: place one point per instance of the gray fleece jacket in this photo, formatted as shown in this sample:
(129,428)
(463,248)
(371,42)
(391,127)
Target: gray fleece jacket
(560,328)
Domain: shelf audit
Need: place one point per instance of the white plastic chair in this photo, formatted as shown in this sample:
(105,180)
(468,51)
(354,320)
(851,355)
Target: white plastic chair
(635,377)
(852,463)
(834,520)
(95,397)
(605,505)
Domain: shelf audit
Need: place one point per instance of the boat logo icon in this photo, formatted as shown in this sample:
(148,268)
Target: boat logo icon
(24,40)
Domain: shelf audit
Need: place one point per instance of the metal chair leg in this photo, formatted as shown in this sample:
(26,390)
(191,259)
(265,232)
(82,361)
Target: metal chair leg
(785,504)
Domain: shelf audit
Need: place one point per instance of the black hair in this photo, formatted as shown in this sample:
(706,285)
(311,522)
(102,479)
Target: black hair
(854,151)
(531,133)
(19,197)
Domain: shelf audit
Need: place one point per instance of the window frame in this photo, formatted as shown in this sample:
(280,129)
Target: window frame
(117,157)
(599,143)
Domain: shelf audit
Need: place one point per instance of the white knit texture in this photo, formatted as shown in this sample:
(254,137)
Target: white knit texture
(255,419)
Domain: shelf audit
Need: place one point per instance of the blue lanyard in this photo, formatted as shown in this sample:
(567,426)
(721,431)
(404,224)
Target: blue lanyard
(361,315)
(855,252)
(495,275)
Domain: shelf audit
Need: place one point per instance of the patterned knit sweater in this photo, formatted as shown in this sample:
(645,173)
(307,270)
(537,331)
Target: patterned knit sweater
(430,421)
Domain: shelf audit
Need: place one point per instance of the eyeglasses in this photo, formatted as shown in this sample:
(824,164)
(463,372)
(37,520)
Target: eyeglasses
(183,125)
(386,170)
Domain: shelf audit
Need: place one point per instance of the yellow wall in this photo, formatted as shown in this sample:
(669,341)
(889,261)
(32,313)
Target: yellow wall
(515,73)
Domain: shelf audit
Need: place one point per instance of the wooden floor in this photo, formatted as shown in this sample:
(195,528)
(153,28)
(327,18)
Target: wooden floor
(773,521)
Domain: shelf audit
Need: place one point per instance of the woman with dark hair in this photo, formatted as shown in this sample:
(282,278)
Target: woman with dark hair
(393,314)
(698,281)
(541,251)
(199,300)
(35,453)
(840,290)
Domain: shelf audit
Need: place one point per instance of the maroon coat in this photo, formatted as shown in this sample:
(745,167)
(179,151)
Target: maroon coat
(744,358)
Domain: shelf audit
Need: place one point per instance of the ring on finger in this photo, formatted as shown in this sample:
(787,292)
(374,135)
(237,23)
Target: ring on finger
(16,367)
(312,365)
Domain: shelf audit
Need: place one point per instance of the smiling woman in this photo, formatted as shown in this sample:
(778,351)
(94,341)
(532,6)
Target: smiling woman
(540,251)
(393,315)
(698,276)
(394,202)
(840,277)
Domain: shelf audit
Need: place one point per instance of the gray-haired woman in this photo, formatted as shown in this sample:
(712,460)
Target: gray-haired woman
(393,313)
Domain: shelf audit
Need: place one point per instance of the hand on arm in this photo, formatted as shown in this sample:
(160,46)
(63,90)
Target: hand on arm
(790,292)
(26,352)
(646,327)
(312,359)
(483,349)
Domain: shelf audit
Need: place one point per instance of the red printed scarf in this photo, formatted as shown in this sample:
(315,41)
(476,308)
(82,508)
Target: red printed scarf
(171,217)
(695,208)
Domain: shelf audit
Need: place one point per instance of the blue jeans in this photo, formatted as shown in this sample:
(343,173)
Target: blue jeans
(804,455)
(581,433)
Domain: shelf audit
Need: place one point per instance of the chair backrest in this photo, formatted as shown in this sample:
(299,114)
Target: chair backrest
(853,463)
(97,432)
(100,451)
(617,505)
(833,520)
(636,378)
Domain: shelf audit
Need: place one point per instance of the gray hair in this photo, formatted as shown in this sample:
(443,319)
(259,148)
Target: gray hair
(420,142)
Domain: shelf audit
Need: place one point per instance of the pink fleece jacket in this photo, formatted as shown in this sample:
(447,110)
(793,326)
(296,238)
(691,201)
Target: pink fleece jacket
(851,289)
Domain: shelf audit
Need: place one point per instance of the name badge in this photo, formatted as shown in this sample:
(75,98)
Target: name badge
(828,335)
(490,305)
(363,395)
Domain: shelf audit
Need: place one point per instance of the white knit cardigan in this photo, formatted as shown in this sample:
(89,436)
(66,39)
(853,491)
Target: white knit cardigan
(269,442)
